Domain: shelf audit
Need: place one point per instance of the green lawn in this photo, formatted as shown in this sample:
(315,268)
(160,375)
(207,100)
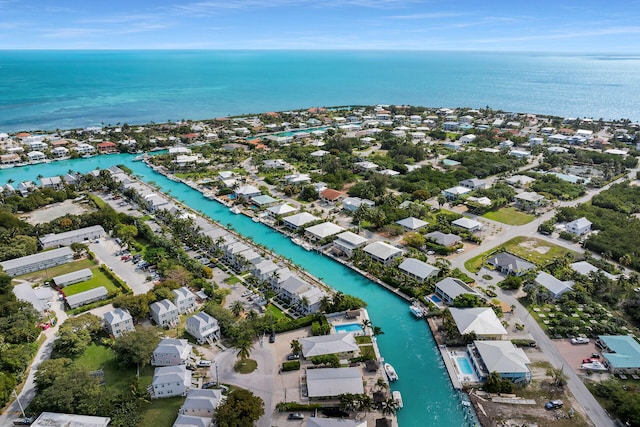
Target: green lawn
(161,412)
(98,279)
(58,270)
(510,216)
(231,280)
(275,313)
(475,264)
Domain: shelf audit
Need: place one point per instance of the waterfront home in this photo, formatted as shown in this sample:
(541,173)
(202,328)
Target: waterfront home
(502,357)
(456,192)
(263,270)
(450,287)
(277,277)
(26,187)
(351,204)
(443,239)
(481,321)
(107,147)
(155,202)
(201,403)
(246,192)
(507,263)
(169,381)
(263,201)
(468,224)
(474,183)
(36,262)
(164,313)
(203,327)
(322,231)
(183,161)
(60,152)
(306,297)
(85,149)
(347,242)
(332,382)
(36,156)
(10,159)
(171,352)
(579,226)
(118,322)
(72,277)
(74,236)
(297,221)
(87,297)
(621,353)
(382,252)
(37,144)
(174,151)
(54,182)
(184,299)
(8,189)
(529,200)
(584,268)
(343,344)
(331,196)
(40,297)
(417,269)
(281,210)
(554,287)
(412,224)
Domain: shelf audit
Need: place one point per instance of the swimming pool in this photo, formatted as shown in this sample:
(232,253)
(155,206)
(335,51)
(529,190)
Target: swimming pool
(435,298)
(464,365)
(349,327)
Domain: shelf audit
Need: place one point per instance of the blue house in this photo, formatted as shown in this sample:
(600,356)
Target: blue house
(621,353)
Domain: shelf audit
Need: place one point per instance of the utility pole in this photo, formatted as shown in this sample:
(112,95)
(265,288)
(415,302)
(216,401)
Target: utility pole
(217,379)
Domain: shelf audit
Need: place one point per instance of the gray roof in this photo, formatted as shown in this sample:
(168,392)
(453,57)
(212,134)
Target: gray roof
(198,398)
(161,307)
(78,299)
(382,250)
(38,297)
(116,316)
(418,268)
(94,229)
(298,220)
(172,346)
(201,319)
(553,285)
(84,274)
(351,240)
(579,223)
(467,223)
(334,381)
(190,421)
(183,293)
(170,374)
(35,258)
(412,223)
(481,320)
(265,266)
(325,229)
(510,262)
(583,267)
(328,344)
(282,209)
(502,356)
(443,239)
(454,287)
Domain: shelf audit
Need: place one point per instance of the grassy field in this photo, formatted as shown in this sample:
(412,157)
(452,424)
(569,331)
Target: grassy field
(510,216)
(98,279)
(161,412)
(38,276)
(275,312)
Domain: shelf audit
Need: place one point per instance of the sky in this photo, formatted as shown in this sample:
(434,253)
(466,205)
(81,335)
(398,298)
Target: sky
(495,25)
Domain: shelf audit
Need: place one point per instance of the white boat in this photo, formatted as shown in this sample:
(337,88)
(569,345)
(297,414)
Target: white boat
(398,398)
(594,366)
(391,372)
(416,310)
(255,219)
(138,158)
(236,210)
(297,241)
(307,246)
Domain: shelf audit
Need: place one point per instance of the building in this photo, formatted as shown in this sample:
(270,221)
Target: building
(171,352)
(502,357)
(191,421)
(297,221)
(584,268)
(621,353)
(347,242)
(73,277)
(331,196)
(449,288)
(332,382)
(54,182)
(87,297)
(553,286)
(184,300)
(85,149)
(335,422)
(40,298)
(201,403)
(343,344)
(382,252)
(263,270)
(73,236)
(203,327)
(474,183)
(37,262)
(351,204)
(53,419)
(263,201)
(36,156)
(481,321)
(456,192)
(305,296)
(164,313)
(321,231)
(468,224)
(118,321)
(529,200)
(246,192)
(280,210)
(507,263)
(443,239)
(107,147)
(170,381)
(579,226)
(417,269)
(412,224)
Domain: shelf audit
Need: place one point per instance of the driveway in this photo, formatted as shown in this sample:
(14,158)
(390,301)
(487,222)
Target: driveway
(105,254)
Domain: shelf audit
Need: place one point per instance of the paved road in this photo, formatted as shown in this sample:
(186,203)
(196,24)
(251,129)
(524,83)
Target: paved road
(136,279)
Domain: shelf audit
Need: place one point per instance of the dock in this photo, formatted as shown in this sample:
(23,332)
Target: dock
(453,375)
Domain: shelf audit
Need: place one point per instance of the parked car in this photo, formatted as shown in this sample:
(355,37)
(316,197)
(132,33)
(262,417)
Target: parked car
(210,384)
(293,356)
(579,340)
(459,250)
(595,355)
(554,404)
(272,337)
(296,416)
(204,363)
(431,252)
(24,421)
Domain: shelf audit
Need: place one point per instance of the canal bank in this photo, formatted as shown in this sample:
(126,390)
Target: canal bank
(429,398)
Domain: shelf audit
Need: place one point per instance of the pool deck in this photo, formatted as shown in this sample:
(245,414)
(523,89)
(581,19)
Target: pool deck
(448,363)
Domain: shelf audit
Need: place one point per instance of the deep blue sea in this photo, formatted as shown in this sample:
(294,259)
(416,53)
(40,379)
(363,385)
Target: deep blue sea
(69,89)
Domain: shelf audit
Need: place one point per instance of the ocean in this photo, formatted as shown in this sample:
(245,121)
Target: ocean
(72,89)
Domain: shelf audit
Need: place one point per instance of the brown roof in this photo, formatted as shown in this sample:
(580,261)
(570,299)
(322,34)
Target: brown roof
(331,194)
(59,142)
(106,144)
(23,134)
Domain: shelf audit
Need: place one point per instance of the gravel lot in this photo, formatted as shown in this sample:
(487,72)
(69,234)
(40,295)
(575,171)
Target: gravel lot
(51,212)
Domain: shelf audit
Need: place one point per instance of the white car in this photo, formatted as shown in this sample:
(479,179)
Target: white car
(579,340)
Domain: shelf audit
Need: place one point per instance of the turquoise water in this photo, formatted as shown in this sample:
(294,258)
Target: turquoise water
(429,398)
(349,327)
(65,89)
(464,365)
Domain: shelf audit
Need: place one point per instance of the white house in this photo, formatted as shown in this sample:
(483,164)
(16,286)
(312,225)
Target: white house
(347,242)
(554,286)
(468,224)
(36,156)
(351,204)
(280,210)
(332,382)
(171,352)
(481,321)
(169,381)
(417,269)
(264,269)
(323,230)
(579,226)
(184,299)
(502,357)
(455,192)
(73,236)
(201,403)
(164,313)
(246,192)
(299,220)
(118,322)
(343,343)
(412,224)
(382,252)
(203,327)
(449,288)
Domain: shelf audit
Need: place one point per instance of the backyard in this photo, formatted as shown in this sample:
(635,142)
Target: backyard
(510,216)
(98,279)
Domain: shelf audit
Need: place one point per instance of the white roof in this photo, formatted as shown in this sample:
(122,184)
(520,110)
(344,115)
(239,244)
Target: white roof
(467,223)
(382,250)
(502,356)
(418,268)
(282,209)
(458,190)
(298,220)
(481,320)
(328,344)
(94,229)
(334,381)
(583,267)
(579,223)
(52,419)
(553,285)
(247,189)
(530,196)
(454,287)
(85,274)
(412,223)
(351,240)
(335,422)
(325,229)
(78,299)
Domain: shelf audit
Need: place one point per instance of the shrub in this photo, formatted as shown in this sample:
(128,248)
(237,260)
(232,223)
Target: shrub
(293,365)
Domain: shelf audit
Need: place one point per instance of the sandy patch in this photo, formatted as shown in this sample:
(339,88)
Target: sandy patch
(51,212)
(532,245)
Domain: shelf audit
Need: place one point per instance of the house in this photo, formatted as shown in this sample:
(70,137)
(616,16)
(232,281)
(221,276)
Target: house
(263,201)
(351,204)
(468,224)
(73,277)
(246,192)
(40,297)
(473,201)
(382,252)
(263,270)
(412,224)
(36,262)
(621,353)
(74,236)
(481,321)
(155,202)
(191,421)
(169,381)
(554,287)
(502,357)
(297,221)
(171,352)
(579,226)
(510,264)
(280,210)
(331,196)
(26,187)
(10,159)
(452,145)
(520,154)
(456,192)
(107,147)
(474,184)
(449,288)
(54,182)
(520,180)
(274,164)
(529,200)
(305,296)
(87,297)
(36,156)
(322,231)
(298,178)
(118,321)
(203,327)
(201,403)
(417,269)
(443,239)
(164,313)
(347,242)
(584,268)
(366,166)
(60,152)
(54,419)
(85,149)
(332,382)
(184,299)
(343,344)
(467,139)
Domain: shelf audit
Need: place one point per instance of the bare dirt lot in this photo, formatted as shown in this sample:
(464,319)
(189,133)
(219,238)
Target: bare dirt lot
(51,212)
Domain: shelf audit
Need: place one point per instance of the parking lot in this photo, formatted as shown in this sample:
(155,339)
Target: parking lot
(575,353)
(105,251)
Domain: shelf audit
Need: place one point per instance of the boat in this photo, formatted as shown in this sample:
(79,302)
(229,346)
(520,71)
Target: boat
(255,219)
(138,158)
(236,210)
(297,241)
(398,398)
(594,365)
(417,310)
(307,246)
(391,372)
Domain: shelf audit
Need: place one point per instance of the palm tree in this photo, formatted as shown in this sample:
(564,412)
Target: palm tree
(390,406)
(366,323)
(296,347)
(236,308)
(377,330)
(244,346)
(381,384)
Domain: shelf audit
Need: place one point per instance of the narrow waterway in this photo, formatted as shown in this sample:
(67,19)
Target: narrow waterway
(429,399)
